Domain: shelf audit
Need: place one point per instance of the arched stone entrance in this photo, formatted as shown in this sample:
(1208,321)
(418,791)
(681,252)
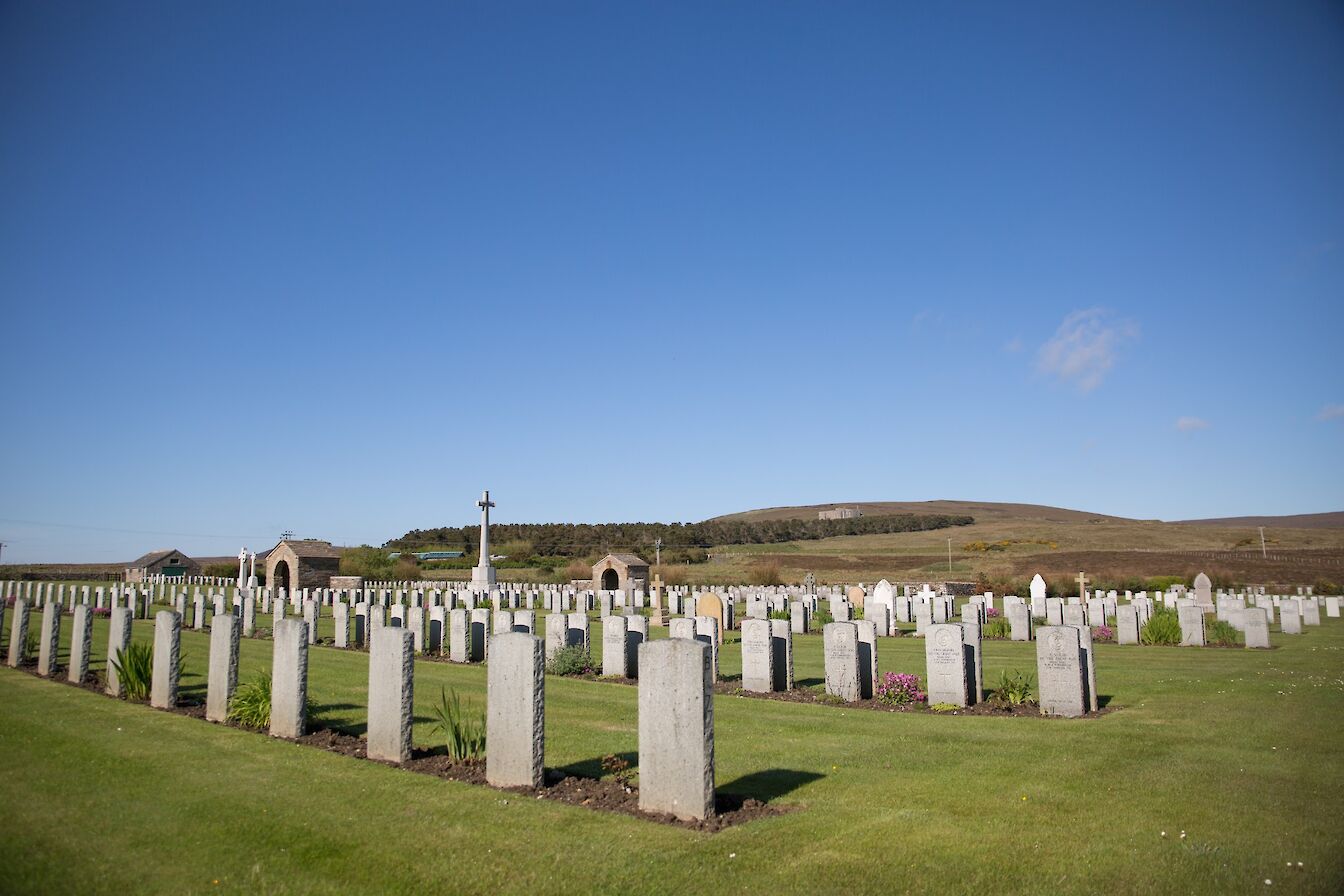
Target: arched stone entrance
(620,572)
(282,577)
(302,563)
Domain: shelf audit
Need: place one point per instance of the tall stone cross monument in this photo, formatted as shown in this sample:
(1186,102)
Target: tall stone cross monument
(242,567)
(1082,588)
(483,574)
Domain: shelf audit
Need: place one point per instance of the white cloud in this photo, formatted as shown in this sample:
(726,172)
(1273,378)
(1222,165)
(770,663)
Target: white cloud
(1331,412)
(1084,348)
(1014,345)
(1190,424)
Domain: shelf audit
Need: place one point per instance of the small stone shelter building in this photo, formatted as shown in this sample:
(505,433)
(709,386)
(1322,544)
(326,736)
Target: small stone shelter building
(170,562)
(840,513)
(301,563)
(620,572)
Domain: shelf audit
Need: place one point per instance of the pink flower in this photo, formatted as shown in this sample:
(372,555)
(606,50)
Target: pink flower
(899,689)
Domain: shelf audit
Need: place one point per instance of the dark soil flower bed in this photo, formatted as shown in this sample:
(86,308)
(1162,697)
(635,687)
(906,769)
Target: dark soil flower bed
(805,695)
(601,794)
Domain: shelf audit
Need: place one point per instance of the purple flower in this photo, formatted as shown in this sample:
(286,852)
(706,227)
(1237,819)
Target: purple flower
(899,689)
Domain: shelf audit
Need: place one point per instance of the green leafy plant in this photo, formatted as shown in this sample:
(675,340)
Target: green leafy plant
(29,644)
(1015,689)
(779,614)
(251,704)
(944,707)
(1221,634)
(1163,627)
(996,630)
(135,669)
(462,728)
(573,660)
(822,616)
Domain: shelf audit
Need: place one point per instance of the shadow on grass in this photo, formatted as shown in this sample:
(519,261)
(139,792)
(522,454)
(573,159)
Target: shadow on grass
(807,682)
(318,719)
(767,785)
(592,768)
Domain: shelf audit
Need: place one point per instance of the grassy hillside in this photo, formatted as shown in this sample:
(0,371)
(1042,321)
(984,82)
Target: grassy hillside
(1011,542)
(1333,520)
(982,511)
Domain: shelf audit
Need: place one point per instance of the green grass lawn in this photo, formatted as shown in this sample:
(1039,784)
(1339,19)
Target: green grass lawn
(1241,750)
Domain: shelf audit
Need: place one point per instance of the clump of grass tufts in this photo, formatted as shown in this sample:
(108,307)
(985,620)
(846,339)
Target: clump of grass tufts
(462,729)
(135,669)
(1163,628)
(765,572)
(251,704)
(1222,634)
(996,629)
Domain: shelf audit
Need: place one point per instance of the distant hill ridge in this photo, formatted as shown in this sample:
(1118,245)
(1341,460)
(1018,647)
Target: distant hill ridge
(989,511)
(1331,520)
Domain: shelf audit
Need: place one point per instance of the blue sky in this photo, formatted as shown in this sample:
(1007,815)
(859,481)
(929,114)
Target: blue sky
(335,268)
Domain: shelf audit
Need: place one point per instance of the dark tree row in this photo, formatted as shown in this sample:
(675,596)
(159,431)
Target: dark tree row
(580,539)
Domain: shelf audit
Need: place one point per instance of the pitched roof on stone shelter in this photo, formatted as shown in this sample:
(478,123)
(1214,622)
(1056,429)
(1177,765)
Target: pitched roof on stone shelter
(310,547)
(628,559)
(154,557)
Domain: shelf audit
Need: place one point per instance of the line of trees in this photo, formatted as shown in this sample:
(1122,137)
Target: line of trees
(581,539)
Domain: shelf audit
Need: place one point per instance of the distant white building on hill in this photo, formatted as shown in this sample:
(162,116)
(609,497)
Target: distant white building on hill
(840,513)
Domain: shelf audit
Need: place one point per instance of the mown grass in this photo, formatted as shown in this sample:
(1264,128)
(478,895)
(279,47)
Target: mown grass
(1239,749)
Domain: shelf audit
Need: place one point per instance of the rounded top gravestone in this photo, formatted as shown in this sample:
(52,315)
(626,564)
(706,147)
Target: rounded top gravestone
(711,605)
(1203,590)
(856,596)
